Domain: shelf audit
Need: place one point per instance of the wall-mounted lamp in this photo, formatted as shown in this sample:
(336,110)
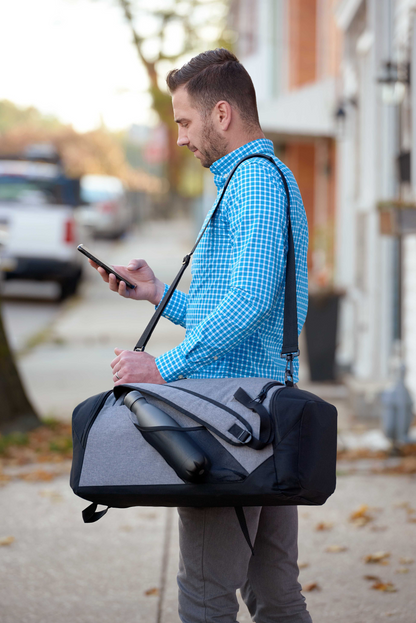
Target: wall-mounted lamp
(341,113)
(340,120)
(394,79)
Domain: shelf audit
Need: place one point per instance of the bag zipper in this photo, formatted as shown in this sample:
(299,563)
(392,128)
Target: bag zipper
(265,390)
(97,409)
(216,404)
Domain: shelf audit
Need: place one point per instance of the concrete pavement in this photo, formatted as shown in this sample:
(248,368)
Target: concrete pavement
(123,568)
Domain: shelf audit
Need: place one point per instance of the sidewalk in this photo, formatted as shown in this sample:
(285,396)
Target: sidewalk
(75,362)
(122,568)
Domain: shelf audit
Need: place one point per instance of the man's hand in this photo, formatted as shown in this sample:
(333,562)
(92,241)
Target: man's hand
(133,367)
(138,272)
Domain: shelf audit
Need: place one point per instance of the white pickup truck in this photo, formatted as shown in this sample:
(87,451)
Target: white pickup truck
(39,232)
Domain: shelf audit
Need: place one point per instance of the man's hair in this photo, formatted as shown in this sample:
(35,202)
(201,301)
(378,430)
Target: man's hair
(213,76)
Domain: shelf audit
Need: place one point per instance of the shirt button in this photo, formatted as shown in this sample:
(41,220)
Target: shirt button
(215,358)
(180,376)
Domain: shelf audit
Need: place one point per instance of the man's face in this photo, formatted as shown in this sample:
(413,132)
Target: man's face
(197,131)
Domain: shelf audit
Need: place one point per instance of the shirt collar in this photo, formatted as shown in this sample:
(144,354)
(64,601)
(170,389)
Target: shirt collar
(222,168)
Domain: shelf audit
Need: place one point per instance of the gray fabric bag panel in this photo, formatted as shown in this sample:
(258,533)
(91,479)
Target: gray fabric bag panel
(117,454)
(222,391)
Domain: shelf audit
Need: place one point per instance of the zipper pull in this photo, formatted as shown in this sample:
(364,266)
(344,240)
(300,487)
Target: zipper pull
(265,390)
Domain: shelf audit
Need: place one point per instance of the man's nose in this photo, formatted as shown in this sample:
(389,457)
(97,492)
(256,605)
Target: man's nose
(182,138)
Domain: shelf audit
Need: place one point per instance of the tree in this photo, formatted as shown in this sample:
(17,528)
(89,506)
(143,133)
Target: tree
(95,152)
(16,412)
(164,35)
(12,116)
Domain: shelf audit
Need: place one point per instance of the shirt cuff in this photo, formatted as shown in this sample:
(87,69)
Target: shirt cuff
(172,365)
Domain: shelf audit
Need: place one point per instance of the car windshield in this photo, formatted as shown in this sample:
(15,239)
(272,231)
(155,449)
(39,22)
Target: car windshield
(100,188)
(24,191)
(96,195)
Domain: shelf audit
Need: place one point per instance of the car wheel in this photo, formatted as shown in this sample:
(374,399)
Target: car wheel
(69,286)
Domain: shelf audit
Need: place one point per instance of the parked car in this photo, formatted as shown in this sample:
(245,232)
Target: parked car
(105,210)
(39,231)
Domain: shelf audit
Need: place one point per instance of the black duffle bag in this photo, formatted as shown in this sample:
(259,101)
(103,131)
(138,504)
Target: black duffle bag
(207,442)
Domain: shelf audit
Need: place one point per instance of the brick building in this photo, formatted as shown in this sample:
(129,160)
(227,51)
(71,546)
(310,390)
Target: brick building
(292,50)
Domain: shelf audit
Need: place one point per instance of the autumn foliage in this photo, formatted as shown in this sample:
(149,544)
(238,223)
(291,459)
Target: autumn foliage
(95,152)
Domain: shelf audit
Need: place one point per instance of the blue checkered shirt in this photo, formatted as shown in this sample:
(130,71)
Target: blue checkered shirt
(233,313)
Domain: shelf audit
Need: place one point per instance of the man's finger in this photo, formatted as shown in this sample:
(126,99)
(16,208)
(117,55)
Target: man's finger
(116,360)
(136,264)
(112,280)
(102,272)
(123,289)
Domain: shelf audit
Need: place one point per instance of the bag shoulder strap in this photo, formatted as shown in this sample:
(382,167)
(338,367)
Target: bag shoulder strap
(290,347)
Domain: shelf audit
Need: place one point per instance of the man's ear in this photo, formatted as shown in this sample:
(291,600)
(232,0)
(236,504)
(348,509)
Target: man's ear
(222,114)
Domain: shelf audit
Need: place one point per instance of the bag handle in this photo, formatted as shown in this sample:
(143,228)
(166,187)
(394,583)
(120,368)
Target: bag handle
(290,347)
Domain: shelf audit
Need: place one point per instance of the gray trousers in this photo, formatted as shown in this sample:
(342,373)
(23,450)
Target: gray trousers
(215,560)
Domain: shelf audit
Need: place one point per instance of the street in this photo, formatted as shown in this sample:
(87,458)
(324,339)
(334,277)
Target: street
(57,569)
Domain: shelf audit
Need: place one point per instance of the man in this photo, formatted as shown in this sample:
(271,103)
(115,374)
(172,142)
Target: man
(234,325)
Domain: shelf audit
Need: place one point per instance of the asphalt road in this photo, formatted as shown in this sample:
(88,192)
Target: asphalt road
(29,308)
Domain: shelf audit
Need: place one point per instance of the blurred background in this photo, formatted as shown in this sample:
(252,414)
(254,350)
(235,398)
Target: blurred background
(88,154)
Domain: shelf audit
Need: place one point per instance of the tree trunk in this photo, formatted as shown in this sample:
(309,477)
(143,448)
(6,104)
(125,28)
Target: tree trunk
(16,412)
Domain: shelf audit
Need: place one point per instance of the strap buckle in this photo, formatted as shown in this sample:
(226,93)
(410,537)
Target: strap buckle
(244,436)
(289,366)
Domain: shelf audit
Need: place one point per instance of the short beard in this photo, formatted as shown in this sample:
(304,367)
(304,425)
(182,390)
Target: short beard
(214,145)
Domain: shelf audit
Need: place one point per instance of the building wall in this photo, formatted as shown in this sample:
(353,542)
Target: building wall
(405,36)
(367,260)
(300,158)
(302,15)
(313,164)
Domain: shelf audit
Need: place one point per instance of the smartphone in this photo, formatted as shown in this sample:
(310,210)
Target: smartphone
(107,268)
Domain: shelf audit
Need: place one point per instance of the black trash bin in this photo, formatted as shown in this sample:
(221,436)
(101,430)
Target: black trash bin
(321,335)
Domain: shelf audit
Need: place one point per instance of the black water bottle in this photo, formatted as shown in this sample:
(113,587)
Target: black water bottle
(176,447)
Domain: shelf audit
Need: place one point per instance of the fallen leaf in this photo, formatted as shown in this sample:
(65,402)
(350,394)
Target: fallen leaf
(53,495)
(37,475)
(312,586)
(377,558)
(360,512)
(361,453)
(372,578)
(402,505)
(386,587)
(411,520)
(406,561)
(303,565)
(336,548)
(152,591)
(323,526)
(147,516)
(4,479)
(402,570)
(361,516)
(7,540)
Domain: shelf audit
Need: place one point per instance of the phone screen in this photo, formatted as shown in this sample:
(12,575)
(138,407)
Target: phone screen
(107,268)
